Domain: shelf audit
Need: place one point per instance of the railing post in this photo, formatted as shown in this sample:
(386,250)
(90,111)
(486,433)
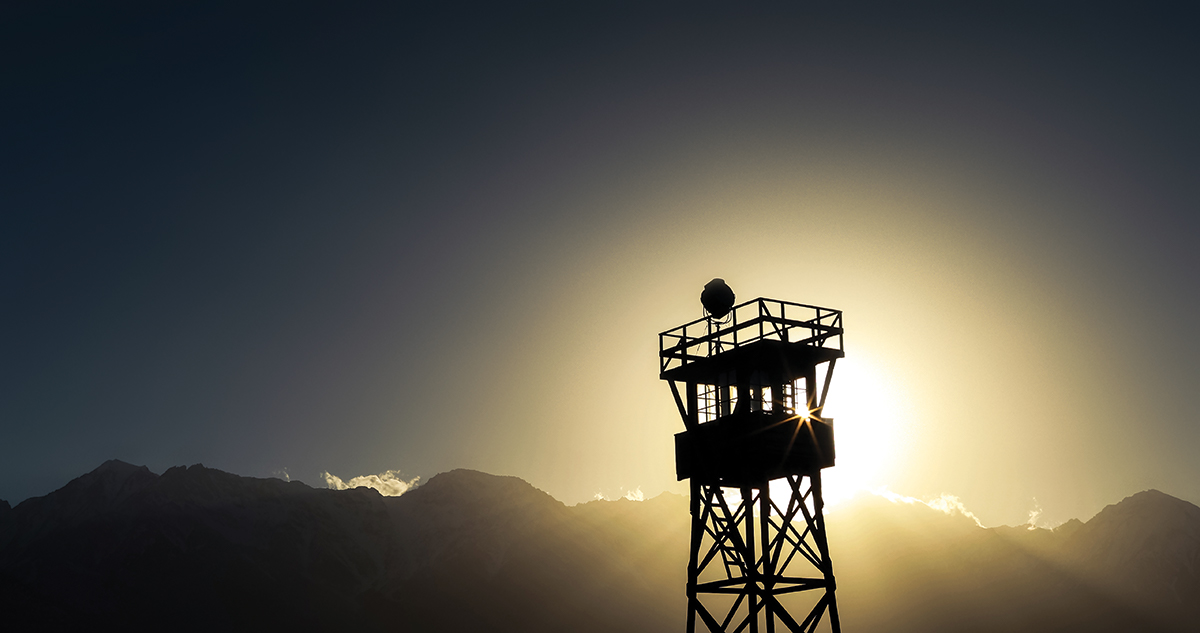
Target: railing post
(735,329)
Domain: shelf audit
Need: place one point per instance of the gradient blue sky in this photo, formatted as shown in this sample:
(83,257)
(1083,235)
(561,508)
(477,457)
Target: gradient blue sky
(355,238)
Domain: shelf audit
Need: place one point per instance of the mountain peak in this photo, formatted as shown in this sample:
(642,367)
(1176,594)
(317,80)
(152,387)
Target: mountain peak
(111,481)
(473,485)
(1151,496)
(1147,502)
(1068,527)
(116,465)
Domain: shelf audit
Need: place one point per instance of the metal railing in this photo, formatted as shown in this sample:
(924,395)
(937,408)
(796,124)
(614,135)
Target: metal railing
(755,320)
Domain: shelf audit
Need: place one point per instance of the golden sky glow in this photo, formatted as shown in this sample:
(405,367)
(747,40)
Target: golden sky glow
(968,369)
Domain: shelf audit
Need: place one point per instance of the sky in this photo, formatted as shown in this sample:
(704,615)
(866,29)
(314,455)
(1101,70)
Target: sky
(291,239)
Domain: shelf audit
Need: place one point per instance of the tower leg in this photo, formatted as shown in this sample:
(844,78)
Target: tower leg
(767,566)
(697,533)
(740,565)
(823,549)
(751,560)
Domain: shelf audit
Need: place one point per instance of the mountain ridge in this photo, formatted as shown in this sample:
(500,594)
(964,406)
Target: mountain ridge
(126,548)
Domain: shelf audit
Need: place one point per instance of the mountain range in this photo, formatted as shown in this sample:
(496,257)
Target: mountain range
(199,549)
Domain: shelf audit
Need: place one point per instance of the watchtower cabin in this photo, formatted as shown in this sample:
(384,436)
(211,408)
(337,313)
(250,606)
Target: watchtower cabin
(750,383)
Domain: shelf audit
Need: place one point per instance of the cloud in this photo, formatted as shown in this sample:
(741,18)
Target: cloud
(949,504)
(1034,514)
(389,484)
(631,495)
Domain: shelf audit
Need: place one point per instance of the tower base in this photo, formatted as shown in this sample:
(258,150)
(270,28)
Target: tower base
(763,570)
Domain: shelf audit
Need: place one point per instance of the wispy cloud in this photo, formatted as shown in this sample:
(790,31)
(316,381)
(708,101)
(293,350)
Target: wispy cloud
(632,495)
(1034,514)
(389,483)
(949,504)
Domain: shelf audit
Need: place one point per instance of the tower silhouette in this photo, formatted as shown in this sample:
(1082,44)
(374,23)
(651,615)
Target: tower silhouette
(750,382)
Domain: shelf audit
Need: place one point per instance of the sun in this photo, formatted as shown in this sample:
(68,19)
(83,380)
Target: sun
(869,416)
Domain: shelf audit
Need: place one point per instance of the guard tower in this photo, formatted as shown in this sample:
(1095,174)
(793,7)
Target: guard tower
(750,382)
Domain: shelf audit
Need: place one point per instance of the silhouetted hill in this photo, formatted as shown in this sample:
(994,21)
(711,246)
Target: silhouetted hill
(196,548)
(907,567)
(1144,551)
(200,549)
